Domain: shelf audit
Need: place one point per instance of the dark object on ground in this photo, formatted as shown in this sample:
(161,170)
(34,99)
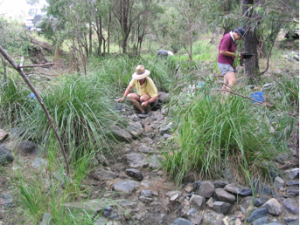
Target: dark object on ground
(292,35)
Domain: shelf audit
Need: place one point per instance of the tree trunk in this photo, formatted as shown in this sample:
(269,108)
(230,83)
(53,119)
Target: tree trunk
(90,38)
(250,44)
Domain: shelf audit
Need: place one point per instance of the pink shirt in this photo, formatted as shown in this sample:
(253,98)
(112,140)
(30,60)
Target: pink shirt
(226,44)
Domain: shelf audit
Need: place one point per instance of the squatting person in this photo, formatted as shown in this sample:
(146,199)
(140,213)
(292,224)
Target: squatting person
(146,91)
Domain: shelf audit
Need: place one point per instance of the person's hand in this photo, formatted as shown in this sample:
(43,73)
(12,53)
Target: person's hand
(240,55)
(144,103)
(120,99)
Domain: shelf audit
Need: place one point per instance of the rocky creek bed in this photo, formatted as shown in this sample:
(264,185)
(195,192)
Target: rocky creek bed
(141,191)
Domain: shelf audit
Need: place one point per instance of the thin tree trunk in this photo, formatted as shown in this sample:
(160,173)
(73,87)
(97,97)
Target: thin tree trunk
(250,44)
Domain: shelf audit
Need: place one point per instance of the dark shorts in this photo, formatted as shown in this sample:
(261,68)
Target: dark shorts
(225,68)
(151,104)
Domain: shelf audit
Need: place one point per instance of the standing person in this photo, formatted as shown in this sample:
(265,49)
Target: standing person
(226,57)
(146,91)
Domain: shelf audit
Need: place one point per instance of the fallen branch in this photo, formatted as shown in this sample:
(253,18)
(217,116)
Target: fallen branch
(38,97)
(232,92)
(38,65)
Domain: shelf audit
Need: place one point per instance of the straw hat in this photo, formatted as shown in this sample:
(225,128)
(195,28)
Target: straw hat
(140,73)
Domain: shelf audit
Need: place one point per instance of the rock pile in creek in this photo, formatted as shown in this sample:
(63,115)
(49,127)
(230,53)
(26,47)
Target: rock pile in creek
(135,189)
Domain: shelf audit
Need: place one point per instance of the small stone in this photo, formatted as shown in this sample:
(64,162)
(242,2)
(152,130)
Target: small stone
(273,207)
(279,183)
(260,221)
(292,173)
(256,214)
(221,183)
(39,163)
(223,195)
(221,207)
(147,193)
(3,135)
(206,189)
(260,201)
(181,221)
(135,174)
(198,201)
(210,203)
(293,191)
(126,186)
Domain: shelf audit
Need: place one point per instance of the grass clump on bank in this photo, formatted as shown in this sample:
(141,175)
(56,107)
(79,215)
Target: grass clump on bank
(213,136)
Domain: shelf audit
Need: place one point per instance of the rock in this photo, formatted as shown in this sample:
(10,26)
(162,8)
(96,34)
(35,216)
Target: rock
(46,219)
(135,129)
(148,129)
(91,206)
(189,188)
(101,221)
(39,163)
(136,160)
(147,193)
(265,190)
(221,183)
(126,186)
(196,219)
(260,201)
(260,221)
(135,174)
(181,221)
(246,202)
(5,157)
(291,220)
(292,183)
(155,161)
(110,213)
(143,148)
(279,183)
(210,203)
(293,191)
(291,206)
(212,218)
(224,196)
(191,212)
(256,214)
(275,194)
(3,135)
(197,201)
(221,207)
(165,129)
(166,136)
(101,174)
(27,147)
(206,189)
(267,86)
(134,118)
(237,189)
(144,199)
(238,221)
(6,199)
(292,173)
(163,97)
(273,207)
(281,158)
(120,134)
(17,132)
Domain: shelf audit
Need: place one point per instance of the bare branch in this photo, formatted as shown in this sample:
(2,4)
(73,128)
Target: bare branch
(38,97)
(45,65)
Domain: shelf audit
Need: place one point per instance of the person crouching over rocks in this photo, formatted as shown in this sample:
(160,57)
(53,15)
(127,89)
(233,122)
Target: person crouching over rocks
(146,91)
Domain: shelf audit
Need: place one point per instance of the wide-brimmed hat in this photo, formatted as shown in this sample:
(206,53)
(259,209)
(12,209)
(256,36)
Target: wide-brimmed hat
(140,73)
(240,31)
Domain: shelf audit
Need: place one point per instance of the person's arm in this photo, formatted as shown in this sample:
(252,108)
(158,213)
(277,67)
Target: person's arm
(228,53)
(127,91)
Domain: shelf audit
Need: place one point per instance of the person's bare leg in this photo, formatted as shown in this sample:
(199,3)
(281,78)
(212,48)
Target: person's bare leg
(134,99)
(229,80)
(145,98)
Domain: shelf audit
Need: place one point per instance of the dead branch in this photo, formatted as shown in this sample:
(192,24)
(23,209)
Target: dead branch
(45,65)
(232,92)
(38,97)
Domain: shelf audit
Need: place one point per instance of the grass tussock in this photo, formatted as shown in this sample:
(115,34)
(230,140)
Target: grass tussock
(214,136)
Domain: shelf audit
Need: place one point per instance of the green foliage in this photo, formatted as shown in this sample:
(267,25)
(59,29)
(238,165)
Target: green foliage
(213,136)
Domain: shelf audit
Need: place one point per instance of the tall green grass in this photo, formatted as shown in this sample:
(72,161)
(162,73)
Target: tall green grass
(213,136)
